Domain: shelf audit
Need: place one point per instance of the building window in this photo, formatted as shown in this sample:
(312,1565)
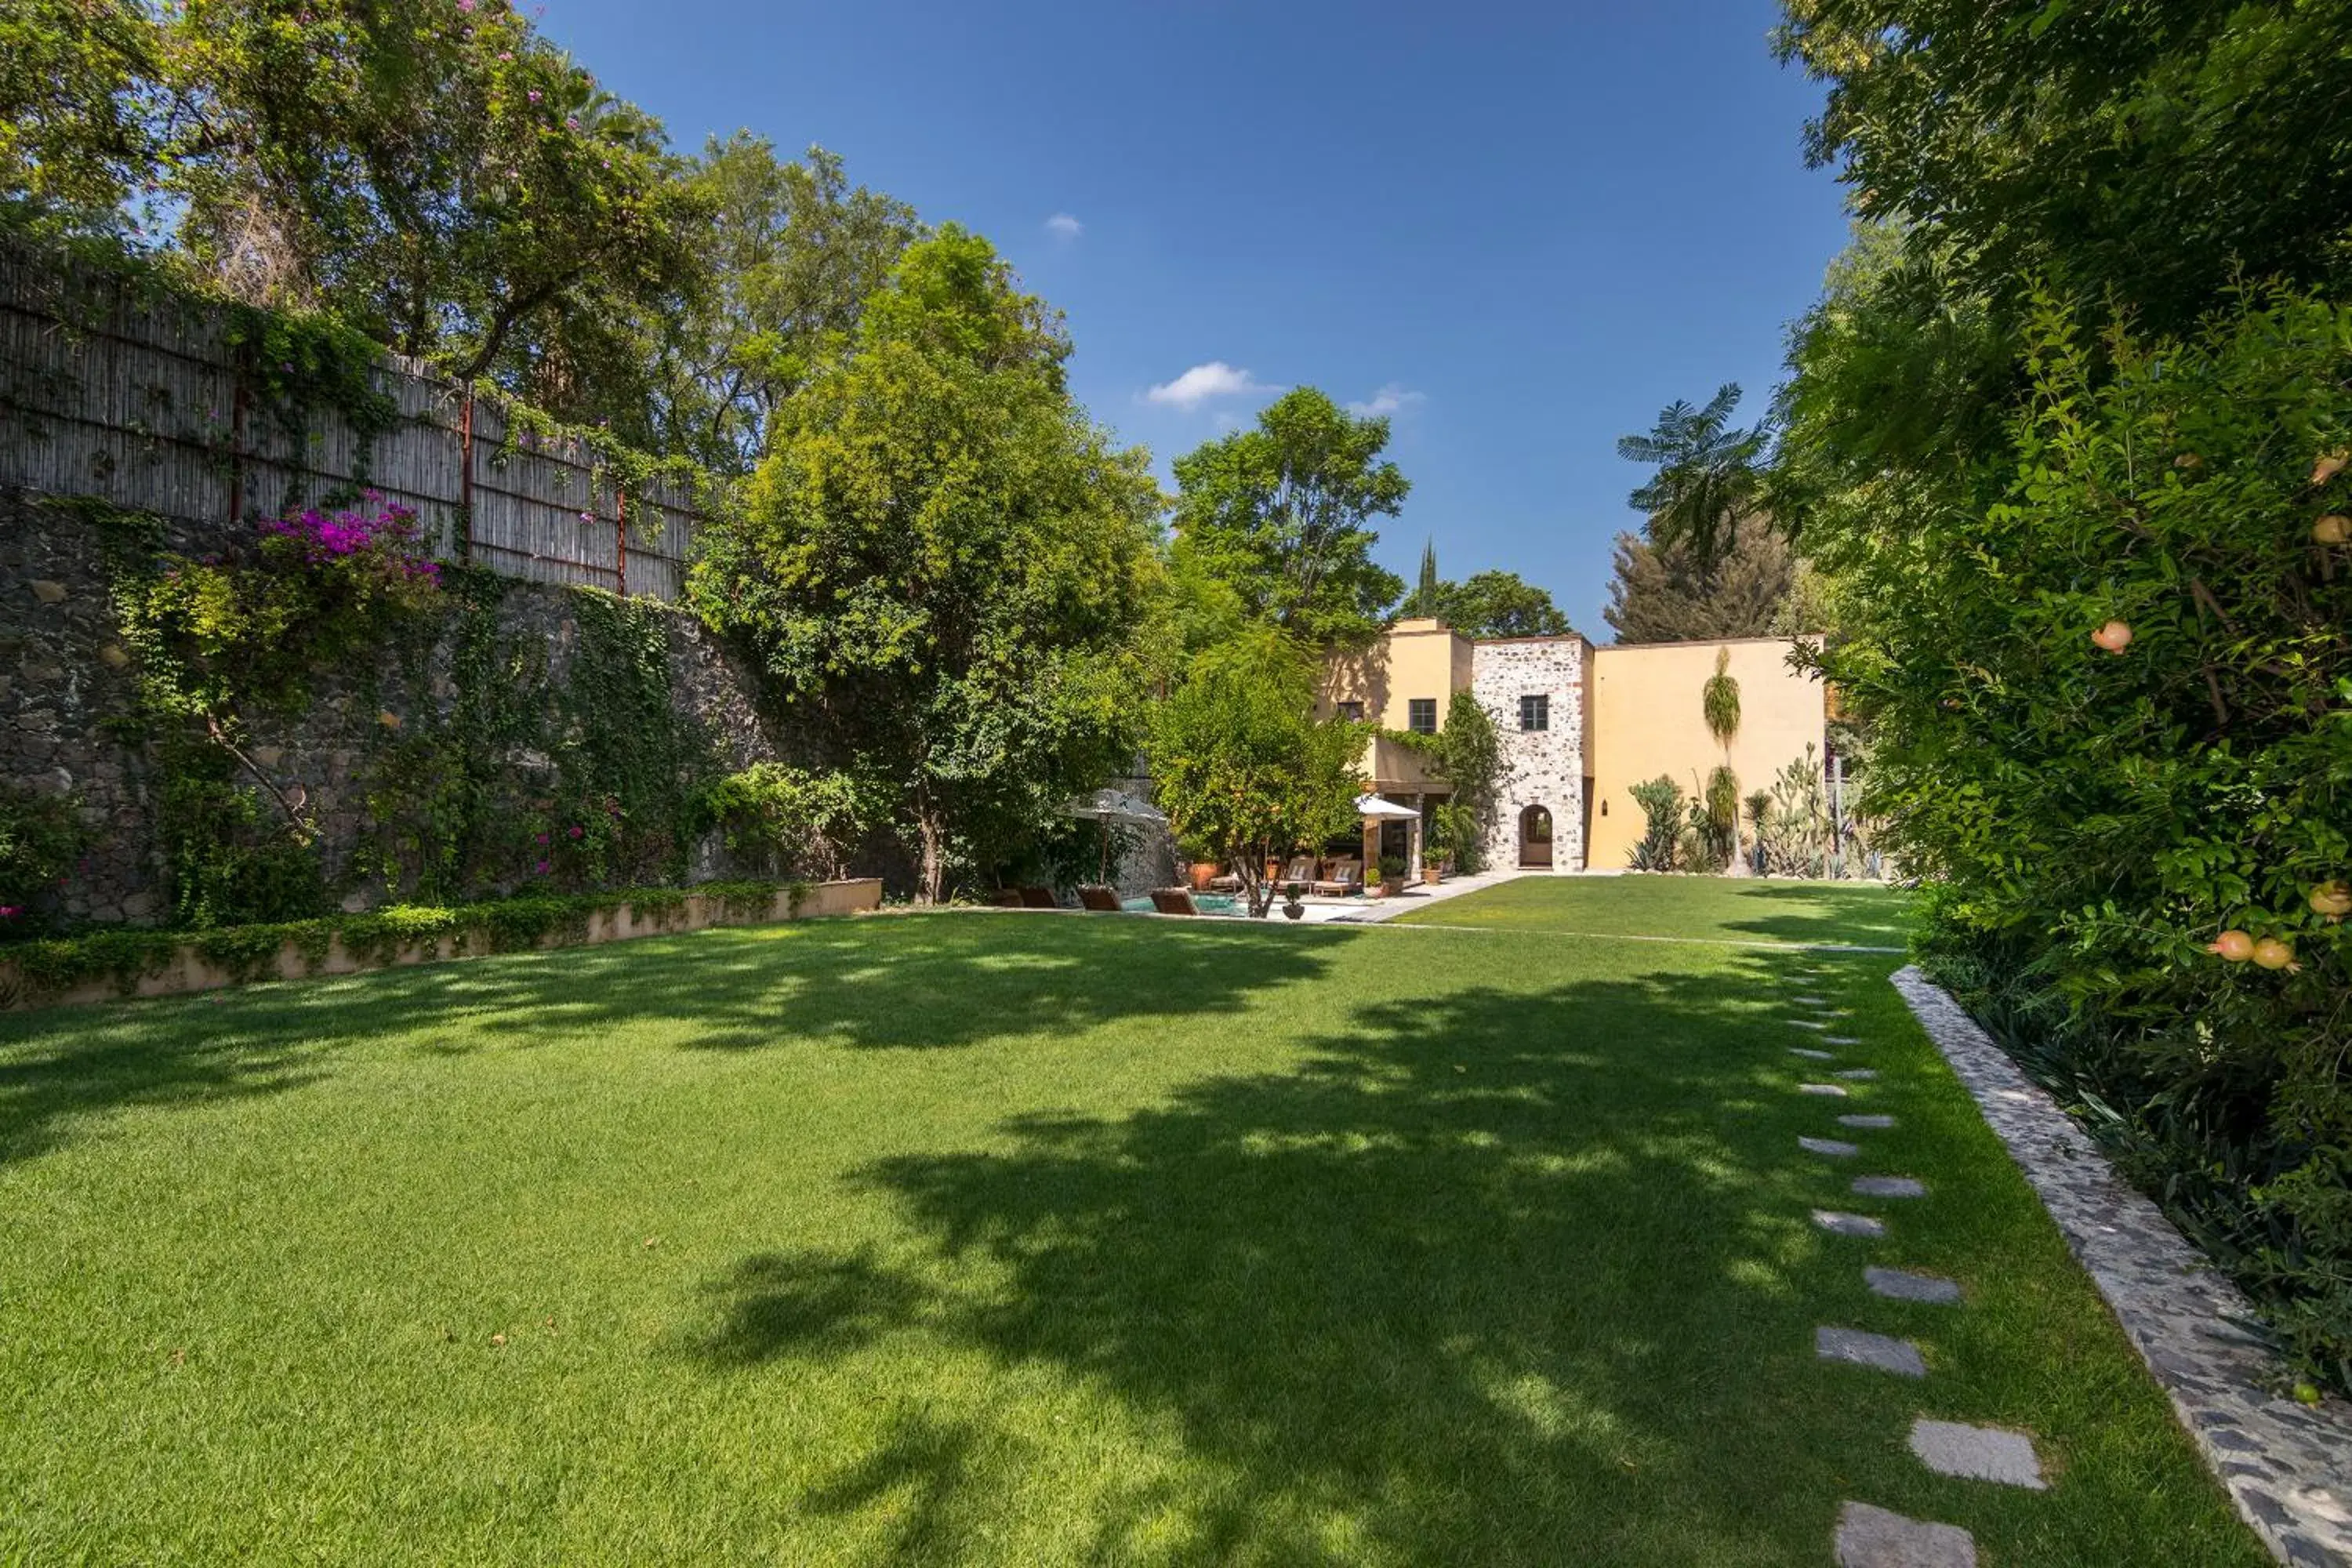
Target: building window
(1421,715)
(1353,713)
(1535,711)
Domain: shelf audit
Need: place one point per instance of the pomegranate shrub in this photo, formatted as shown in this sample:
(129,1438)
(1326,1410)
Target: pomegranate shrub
(2110,703)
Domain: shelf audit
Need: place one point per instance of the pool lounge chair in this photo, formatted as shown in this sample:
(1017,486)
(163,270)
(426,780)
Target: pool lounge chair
(1005,899)
(1347,876)
(1096,897)
(1174,901)
(1039,898)
(1301,871)
(1231,882)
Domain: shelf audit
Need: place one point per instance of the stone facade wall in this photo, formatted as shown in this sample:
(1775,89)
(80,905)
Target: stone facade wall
(1543,768)
(66,684)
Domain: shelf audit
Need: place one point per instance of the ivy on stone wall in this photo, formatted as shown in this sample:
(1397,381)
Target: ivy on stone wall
(497,738)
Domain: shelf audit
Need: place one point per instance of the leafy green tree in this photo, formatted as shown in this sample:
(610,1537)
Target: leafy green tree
(793,254)
(443,177)
(2111,716)
(1498,605)
(1281,511)
(1708,474)
(1660,594)
(2151,153)
(945,566)
(76,117)
(1241,766)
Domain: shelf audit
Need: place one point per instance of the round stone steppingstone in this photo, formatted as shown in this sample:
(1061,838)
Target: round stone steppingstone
(1860,1075)
(1871,1121)
(1833,1148)
(1837,1090)
(1811,1055)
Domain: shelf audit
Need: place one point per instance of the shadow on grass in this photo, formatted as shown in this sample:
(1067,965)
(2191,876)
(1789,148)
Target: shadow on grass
(925,982)
(1503,1277)
(1819,913)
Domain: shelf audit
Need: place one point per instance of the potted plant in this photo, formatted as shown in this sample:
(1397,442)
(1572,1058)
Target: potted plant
(1433,867)
(1393,869)
(1293,897)
(1204,871)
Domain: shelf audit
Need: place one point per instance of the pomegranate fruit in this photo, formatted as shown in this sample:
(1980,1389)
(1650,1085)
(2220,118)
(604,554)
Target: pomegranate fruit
(2329,465)
(2334,529)
(2333,900)
(2272,954)
(2115,636)
(2234,945)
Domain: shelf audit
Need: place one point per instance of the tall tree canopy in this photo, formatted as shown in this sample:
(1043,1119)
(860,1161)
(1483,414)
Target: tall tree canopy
(1660,594)
(1282,512)
(1498,605)
(1706,473)
(946,568)
(2154,151)
(792,254)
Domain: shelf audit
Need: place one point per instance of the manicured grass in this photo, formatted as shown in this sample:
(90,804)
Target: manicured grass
(1729,909)
(1024,1239)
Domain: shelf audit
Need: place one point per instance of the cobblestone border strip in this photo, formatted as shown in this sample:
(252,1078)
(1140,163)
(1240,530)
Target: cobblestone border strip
(2288,1468)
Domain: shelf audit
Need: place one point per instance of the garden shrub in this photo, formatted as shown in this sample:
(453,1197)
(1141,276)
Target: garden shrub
(41,837)
(1659,849)
(2112,714)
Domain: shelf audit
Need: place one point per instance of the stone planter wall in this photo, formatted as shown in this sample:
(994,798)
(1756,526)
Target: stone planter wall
(189,970)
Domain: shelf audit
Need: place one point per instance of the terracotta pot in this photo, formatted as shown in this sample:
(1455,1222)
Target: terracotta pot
(1203,873)
(1432,875)
(1390,888)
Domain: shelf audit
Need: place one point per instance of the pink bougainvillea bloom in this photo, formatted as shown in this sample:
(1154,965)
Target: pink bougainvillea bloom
(465,5)
(571,122)
(10,911)
(587,516)
(534,95)
(539,838)
(575,831)
(542,867)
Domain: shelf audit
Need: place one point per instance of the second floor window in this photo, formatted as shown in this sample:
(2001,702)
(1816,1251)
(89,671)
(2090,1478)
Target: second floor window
(1421,715)
(1353,713)
(1534,712)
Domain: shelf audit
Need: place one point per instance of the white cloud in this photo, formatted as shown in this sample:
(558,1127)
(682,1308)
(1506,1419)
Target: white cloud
(1389,402)
(1064,227)
(1203,381)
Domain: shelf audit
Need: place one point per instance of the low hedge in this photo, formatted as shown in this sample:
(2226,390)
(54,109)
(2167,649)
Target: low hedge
(47,966)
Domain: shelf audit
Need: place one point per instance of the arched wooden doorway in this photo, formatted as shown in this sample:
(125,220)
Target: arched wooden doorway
(1535,838)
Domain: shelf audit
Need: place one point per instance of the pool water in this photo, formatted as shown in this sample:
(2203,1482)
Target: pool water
(1207,904)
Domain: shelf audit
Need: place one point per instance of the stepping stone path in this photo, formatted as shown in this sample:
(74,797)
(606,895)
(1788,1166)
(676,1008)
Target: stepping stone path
(1871,1537)
(1849,1224)
(1860,1075)
(1861,1348)
(1889,1187)
(1841,1039)
(1830,1146)
(1836,1089)
(1807,1024)
(1812,1001)
(1865,1121)
(1978,1453)
(1897,1285)
(1813,1055)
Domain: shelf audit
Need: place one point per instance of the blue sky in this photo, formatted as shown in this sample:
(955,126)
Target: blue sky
(1522,228)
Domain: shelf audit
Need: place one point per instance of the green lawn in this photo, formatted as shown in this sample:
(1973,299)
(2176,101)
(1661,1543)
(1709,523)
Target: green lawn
(1032,1240)
(1685,907)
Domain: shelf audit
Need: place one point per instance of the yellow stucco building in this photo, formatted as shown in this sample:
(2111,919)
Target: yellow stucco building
(1579,726)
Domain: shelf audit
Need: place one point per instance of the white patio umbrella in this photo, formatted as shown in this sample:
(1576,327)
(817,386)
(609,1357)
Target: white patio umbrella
(1379,808)
(1108,806)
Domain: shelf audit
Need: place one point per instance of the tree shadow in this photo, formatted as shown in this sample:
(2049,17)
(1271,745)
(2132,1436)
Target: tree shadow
(919,982)
(1826,912)
(1504,1277)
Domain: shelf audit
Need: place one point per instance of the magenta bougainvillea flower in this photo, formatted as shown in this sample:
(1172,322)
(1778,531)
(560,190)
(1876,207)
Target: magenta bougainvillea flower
(378,539)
